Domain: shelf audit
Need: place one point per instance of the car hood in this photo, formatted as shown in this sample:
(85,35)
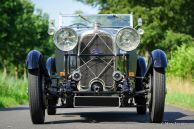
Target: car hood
(110,31)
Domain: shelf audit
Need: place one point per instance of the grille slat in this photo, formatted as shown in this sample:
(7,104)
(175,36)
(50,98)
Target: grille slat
(101,44)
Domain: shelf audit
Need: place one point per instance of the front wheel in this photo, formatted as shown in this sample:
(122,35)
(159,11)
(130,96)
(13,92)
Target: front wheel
(140,99)
(35,92)
(157,101)
(141,109)
(69,101)
(51,109)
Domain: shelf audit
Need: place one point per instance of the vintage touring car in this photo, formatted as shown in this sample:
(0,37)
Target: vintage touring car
(96,64)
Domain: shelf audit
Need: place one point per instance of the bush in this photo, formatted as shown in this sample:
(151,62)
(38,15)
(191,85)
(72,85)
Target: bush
(12,91)
(173,40)
(181,63)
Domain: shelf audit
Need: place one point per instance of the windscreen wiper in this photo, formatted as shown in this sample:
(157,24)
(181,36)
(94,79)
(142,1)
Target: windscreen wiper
(115,16)
(82,17)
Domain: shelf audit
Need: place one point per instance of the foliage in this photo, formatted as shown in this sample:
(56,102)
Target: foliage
(182,63)
(168,25)
(12,91)
(161,18)
(21,30)
(173,39)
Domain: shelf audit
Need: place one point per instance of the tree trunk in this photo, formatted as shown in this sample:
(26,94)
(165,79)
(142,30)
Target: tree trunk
(16,72)
(146,55)
(4,68)
(24,70)
(4,71)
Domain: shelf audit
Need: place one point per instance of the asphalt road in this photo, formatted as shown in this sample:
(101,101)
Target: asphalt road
(96,118)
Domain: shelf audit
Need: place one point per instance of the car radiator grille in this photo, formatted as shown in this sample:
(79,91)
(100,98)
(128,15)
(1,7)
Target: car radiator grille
(96,67)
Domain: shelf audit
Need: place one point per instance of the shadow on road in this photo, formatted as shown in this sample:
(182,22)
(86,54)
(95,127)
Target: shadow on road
(170,117)
(97,117)
(177,117)
(14,108)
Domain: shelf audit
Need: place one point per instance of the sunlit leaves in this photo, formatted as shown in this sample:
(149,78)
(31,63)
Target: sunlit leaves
(21,30)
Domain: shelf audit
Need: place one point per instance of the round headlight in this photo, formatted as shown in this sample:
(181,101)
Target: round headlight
(127,39)
(66,39)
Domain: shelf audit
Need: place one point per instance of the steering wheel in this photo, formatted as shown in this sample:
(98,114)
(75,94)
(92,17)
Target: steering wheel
(78,25)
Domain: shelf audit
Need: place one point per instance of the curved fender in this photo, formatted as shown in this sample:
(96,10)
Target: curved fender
(158,59)
(141,66)
(141,69)
(50,65)
(33,60)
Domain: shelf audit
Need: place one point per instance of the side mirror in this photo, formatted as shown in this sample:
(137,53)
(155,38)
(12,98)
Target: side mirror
(51,29)
(139,25)
(139,22)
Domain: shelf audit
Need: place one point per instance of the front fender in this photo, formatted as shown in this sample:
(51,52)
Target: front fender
(141,69)
(50,66)
(33,60)
(158,59)
(141,66)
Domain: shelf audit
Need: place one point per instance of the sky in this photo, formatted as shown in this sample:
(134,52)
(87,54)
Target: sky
(54,7)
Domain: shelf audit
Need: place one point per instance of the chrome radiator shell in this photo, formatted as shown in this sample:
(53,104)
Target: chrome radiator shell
(96,51)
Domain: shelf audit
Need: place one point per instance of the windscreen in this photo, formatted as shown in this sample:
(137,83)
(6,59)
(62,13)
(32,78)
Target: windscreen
(105,20)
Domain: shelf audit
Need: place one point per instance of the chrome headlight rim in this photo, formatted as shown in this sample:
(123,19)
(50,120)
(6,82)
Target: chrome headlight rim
(57,34)
(129,48)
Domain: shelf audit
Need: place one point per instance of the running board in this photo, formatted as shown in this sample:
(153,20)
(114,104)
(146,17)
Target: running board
(109,101)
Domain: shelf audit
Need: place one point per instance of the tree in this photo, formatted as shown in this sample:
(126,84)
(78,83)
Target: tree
(21,30)
(162,19)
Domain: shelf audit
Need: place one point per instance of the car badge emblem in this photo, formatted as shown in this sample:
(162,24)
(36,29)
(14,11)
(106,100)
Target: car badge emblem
(96,51)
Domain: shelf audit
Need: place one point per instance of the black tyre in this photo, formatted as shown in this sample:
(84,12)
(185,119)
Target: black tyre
(35,92)
(69,101)
(157,101)
(141,109)
(51,110)
(140,100)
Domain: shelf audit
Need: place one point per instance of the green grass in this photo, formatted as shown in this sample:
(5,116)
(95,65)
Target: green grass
(180,92)
(12,92)
(180,99)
